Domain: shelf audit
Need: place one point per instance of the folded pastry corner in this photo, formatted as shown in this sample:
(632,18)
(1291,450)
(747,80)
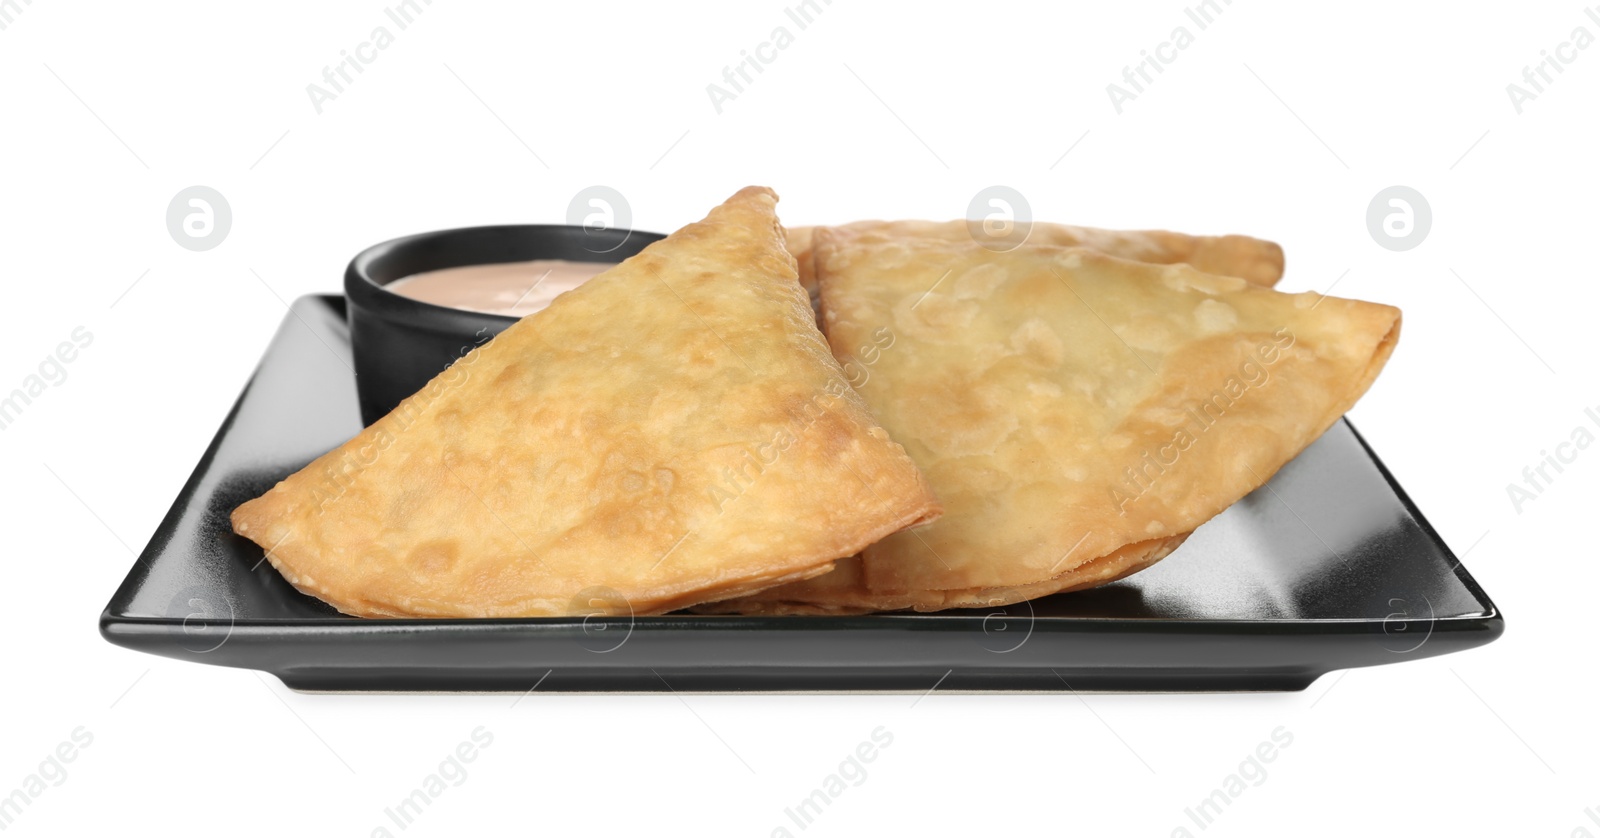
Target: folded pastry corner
(673,431)
(1078,414)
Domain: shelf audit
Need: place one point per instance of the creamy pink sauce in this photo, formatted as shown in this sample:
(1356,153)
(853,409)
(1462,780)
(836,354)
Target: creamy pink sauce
(516,289)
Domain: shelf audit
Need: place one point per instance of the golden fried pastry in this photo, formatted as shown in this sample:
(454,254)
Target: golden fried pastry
(671,432)
(1260,262)
(1077,414)
(798,240)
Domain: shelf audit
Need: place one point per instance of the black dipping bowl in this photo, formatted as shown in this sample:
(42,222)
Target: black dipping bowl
(400,344)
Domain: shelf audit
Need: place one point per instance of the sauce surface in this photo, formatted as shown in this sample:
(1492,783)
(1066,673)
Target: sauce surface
(516,289)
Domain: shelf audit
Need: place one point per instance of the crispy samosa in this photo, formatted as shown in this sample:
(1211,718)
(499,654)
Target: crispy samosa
(673,431)
(1077,414)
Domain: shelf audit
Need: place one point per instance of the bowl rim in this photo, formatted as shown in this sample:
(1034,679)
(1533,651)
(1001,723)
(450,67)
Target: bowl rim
(364,291)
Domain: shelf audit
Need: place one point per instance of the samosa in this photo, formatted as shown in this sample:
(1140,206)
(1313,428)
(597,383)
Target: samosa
(671,432)
(1078,414)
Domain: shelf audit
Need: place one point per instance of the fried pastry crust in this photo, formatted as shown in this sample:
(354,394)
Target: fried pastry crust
(1254,260)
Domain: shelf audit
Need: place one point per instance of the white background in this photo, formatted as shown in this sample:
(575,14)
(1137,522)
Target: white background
(1280,121)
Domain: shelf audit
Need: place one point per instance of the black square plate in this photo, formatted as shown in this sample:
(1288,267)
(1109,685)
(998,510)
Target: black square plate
(1327,567)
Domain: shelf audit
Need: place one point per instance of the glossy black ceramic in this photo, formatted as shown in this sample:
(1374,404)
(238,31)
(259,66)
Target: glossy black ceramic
(400,344)
(1327,567)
